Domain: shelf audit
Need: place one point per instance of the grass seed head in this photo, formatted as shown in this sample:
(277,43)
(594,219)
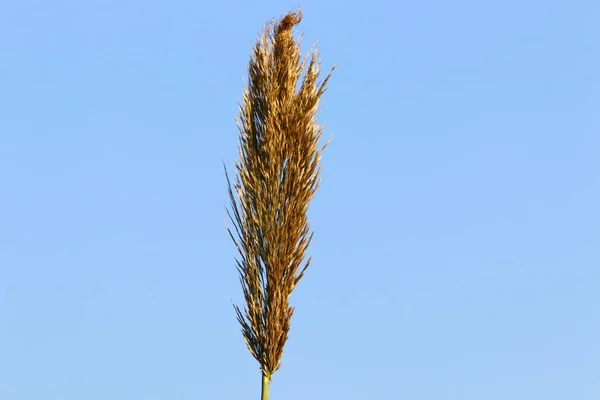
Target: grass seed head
(276,178)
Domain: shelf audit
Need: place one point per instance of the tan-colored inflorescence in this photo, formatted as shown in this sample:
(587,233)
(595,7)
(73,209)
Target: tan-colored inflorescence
(277,176)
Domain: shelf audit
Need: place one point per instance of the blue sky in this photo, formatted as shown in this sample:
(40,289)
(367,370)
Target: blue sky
(456,229)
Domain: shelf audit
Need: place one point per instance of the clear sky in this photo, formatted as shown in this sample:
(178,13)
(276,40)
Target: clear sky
(456,251)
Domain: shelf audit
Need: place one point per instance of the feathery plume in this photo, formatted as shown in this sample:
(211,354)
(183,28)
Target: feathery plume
(276,178)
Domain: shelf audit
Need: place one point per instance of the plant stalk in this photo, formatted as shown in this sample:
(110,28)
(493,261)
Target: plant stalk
(264,393)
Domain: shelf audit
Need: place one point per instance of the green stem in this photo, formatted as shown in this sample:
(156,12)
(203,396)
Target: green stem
(265,387)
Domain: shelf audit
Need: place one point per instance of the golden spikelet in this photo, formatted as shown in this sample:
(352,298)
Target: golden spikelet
(276,178)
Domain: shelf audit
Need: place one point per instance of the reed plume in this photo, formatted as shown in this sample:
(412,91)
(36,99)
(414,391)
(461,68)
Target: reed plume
(276,178)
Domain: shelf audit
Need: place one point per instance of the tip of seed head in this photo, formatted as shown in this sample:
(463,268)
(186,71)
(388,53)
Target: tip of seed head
(288,22)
